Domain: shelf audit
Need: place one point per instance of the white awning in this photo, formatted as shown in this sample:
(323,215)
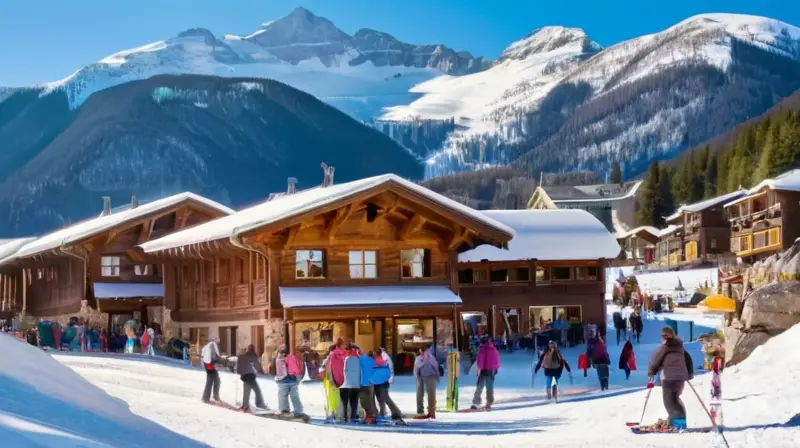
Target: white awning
(362,296)
(127,290)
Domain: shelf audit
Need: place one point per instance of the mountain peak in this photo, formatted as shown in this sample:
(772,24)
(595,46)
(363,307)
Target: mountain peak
(547,39)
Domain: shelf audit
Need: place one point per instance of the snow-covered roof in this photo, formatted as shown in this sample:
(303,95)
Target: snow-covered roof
(788,181)
(674,216)
(95,226)
(355,296)
(709,203)
(589,193)
(669,230)
(564,234)
(283,207)
(10,246)
(649,229)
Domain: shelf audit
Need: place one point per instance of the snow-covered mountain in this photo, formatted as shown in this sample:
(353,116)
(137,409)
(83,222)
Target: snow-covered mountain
(555,100)
(359,74)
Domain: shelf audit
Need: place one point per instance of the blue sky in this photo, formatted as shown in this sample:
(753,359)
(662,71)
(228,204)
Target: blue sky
(45,40)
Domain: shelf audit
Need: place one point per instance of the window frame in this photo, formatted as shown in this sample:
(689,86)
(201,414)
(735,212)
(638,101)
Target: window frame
(144,270)
(499,271)
(424,264)
(568,269)
(297,261)
(363,264)
(112,267)
(587,277)
(547,273)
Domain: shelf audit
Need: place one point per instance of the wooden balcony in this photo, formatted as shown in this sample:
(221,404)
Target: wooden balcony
(223,296)
(754,243)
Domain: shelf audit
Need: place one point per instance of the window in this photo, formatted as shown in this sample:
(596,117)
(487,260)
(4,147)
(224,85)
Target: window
(309,264)
(521,275)
(144,269)
(713,243)
(561,273)
(586,273)
(542,276)
(465,276)
(499,275)
(363,264)
(480,275)
(109,266)
(415,263)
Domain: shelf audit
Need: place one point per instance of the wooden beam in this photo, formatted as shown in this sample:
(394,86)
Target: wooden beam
(412,225)
(147,230)
(180,222)
(293,231)
(341,216)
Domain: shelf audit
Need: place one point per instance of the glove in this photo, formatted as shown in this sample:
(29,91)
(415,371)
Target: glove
(651,383)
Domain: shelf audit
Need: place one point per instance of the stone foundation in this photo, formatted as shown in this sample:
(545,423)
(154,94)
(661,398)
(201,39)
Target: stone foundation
(87,313)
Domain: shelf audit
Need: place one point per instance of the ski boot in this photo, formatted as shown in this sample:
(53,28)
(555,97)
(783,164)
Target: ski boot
(678,424)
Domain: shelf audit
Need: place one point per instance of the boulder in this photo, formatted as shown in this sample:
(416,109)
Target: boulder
(739,344)
(774,307)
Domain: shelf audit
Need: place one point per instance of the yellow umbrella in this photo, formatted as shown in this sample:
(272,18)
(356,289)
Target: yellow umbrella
(717,304)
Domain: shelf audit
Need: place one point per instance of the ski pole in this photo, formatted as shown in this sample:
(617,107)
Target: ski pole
(644,409)
(713,423)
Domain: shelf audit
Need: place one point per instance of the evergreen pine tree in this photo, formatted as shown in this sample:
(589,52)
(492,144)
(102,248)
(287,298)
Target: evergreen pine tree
(616,172)
(710,175)
(682,181)
(666,205)
(768,165)
(788,148)
(722,170)
(650,198)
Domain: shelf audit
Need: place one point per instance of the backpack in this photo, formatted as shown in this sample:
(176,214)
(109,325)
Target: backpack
(551,361)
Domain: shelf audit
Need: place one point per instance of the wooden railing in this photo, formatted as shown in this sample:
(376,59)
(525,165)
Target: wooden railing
(223,296)
(756,242)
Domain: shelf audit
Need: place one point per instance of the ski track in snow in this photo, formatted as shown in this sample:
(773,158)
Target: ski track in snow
(167,392)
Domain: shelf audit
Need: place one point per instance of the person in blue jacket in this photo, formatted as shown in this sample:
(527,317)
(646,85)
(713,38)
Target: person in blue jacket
(380,379)
(366,393)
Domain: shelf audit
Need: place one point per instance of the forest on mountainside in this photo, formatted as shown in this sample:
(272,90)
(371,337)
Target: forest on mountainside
(758,150)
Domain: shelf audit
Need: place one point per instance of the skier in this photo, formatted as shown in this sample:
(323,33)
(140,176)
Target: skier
(554,365)
(332,400)
(717,364)
(387,361)
(601,361)
(635,320)
(248,364)
(488,365)
(627,361)
(676,368)
(619,325)
(426,374)
(366,393)
(287,375)
(210,355)
(381,378)
(351,374)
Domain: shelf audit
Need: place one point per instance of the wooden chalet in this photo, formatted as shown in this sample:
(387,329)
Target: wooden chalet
(91,269)
(11,287)
(764,220)
(372,261)
(554,266)
(638,245)
(670,245)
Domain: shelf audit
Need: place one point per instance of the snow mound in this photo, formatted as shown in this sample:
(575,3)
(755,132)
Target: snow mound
(45,404)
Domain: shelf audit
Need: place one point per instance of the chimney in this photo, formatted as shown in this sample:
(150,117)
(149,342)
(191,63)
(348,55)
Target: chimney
(327,175)
(106,205)
(292,187)
(134,201)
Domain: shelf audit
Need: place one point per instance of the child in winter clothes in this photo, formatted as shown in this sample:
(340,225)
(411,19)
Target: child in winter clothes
(366,393)
(381,377)
(287,375)
(351,383)
(626,359)
(385,361)
(248,365)
(601,361)
(488,365)
(426,373)
(554,365)
(333,402)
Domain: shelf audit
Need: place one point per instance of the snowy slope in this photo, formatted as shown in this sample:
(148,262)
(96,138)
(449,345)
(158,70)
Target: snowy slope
(44,404)
(755,411)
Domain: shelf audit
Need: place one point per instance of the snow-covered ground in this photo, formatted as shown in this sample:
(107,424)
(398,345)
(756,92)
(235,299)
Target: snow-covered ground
(755,410)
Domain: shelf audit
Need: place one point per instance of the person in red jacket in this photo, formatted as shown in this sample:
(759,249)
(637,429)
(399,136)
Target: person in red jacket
(488,365)
(626,359)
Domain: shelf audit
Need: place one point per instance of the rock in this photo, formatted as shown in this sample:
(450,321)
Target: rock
(774,307)
(739,344)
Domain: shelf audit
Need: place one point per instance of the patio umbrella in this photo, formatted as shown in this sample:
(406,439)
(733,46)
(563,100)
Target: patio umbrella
(717,304)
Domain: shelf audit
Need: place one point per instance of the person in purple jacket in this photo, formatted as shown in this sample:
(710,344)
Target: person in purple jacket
(488,365)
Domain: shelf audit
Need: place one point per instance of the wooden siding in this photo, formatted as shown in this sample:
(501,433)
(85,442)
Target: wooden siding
(54,284)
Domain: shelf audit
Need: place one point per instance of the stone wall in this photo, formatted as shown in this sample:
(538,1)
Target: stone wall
(444,334)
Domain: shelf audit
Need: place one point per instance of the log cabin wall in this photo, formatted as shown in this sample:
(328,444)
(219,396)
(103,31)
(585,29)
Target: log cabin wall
(10,291)
(492,286)
(55,286)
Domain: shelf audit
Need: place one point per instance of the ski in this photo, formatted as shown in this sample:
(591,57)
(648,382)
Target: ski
(470,410)
(292,418)
(640,430)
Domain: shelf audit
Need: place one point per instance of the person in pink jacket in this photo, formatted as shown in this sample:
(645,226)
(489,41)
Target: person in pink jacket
(336,362)
(488,365)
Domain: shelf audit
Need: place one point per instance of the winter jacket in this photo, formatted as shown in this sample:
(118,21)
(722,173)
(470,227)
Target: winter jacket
(600,355)
(248,364)
(672,361)
(562,363)
(210,353)
(627,351)
(426,366)
(388,359)
(619,322)
(352,373)
(336,365)
(287,369)
(488,358)
(367,370)
(381,374)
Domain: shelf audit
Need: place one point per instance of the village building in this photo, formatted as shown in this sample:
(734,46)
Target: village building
(639,244)
(553,268)
(91,269)
(371,261)
(11,287)
(613,204)
(763,221)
